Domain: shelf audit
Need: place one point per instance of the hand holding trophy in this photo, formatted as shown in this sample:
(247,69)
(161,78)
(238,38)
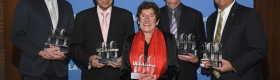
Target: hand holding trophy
(57,44)
(212,53)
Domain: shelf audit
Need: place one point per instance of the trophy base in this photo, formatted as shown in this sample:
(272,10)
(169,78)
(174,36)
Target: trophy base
(103,61)
(185,52)
(216,63)
(114,59)
(63,48)
(141,76)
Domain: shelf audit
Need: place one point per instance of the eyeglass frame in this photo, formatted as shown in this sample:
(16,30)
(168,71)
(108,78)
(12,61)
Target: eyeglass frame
(150,16)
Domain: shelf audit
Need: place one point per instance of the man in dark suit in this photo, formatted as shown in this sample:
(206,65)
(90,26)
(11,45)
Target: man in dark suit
(187,20)
(240,31)
(31,21)
(92,27)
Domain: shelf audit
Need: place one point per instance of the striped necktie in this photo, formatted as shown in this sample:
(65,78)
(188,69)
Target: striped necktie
(218,38)
(173,26)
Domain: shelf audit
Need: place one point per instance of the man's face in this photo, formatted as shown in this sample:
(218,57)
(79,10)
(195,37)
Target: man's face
(223,3)
(172,3)
(104,4)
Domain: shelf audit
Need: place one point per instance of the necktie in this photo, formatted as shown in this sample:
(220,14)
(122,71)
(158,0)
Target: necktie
(52,11)
(173,26)
(218,39)
(104,26)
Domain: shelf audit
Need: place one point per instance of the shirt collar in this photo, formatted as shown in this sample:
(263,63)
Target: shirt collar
(227,10)
(99,10)
(177,9)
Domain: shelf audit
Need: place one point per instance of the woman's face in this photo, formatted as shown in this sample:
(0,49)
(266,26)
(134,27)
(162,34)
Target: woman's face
(147,20)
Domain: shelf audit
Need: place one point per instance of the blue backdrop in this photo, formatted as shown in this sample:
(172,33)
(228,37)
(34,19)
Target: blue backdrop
(206,7)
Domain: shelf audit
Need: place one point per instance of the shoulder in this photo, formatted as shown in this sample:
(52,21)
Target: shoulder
(190,10)
(86,12)
(67,3)
(245,10)
(130,37)
(121,10)
(167,35)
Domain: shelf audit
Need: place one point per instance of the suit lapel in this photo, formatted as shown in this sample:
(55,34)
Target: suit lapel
(184,20)
(165,20)
(46,11)
(212,26)
(60,6)
(96,24)
(229,21)
(113,23)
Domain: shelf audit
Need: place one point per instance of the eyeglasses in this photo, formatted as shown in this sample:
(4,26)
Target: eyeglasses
(150,16)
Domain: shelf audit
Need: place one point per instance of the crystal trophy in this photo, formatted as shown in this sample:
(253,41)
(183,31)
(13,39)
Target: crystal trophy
(205,53)
(109,53)
(217,55)
(103,52)
(113,52)
(186,44)
(212,53)
(142,68)
(57,38)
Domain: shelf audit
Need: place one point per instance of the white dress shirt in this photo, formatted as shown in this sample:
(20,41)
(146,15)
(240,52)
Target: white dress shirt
(225,16)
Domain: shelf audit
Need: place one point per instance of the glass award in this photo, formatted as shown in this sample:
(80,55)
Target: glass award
(217,55)
(212,53)
(108,52)
(143,68)
(205,53)
(102,52)
(113,52)
(57,38)
(63,41)
(191,44)
(186,44)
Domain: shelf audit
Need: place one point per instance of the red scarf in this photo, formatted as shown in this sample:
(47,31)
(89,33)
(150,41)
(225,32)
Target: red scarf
(157,49)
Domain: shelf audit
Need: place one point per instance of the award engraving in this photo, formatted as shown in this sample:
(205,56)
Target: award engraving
(57,38)
(143,68)
(103,52)
(217,55)
(186,44)
(212,53)
(113,50)
(108,53)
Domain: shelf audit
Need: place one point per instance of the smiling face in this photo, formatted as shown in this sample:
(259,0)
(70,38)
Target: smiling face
(222,4)
(104,4)
(147,20)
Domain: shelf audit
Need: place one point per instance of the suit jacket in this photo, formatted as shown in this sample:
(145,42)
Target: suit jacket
(190,22)
(87,33)
(172,67)
(244,42)
(29,30)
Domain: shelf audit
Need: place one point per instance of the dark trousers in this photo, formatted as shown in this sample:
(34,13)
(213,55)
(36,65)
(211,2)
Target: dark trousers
(48,75)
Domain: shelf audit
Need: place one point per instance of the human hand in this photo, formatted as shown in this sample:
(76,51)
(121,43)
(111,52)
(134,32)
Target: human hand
(147,78)
(224,67)
(52,53)
(188,58)
(117,64)
(94,63)
(205,63)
